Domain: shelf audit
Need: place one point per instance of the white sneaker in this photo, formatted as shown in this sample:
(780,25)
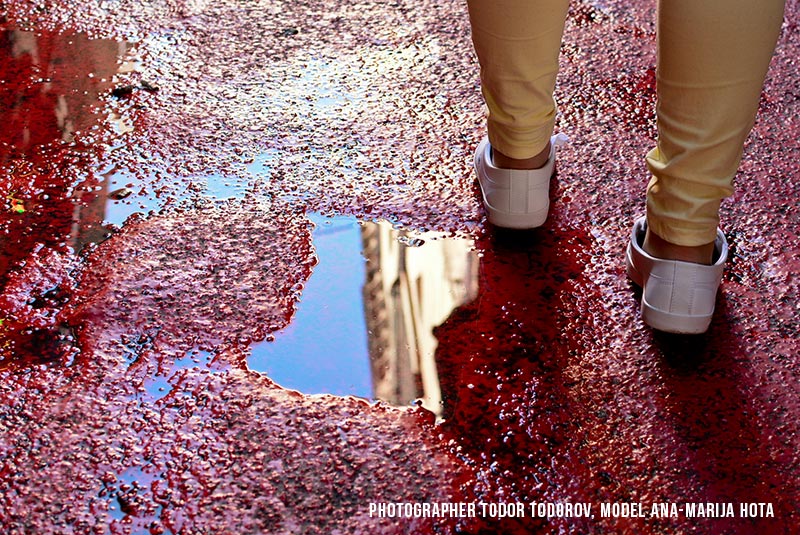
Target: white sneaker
(677,297)
(515,198)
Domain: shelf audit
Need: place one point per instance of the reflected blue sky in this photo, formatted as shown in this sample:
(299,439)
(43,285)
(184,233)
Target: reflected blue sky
(144,200)
(329,321)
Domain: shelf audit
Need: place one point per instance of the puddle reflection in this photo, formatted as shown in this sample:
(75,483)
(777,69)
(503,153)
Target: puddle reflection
(53,88)
(364,324)
(324,348)
(52,83)
(409,291)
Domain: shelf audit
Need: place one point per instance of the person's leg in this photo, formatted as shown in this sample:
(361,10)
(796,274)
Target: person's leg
(712,59)
(518,43)
(713,56)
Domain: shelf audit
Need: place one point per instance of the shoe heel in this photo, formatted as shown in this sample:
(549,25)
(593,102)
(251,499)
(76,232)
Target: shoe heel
(673,323)
(677,297)
(500,218)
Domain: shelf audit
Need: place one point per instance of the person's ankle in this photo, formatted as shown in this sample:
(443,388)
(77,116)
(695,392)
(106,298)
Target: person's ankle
(658,247)
(537,162)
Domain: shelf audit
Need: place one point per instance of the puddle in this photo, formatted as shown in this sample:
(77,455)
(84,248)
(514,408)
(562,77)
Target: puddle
(324,349)
(125,195)
(129,498)
(161,383)
(62,96)
(553,389)
(54,113)
(364,324)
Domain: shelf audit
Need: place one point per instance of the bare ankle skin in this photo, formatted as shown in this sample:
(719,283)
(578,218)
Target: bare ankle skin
(660,248)
(537,162)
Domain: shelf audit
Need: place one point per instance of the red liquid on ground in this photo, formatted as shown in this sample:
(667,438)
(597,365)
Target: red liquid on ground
(553,390)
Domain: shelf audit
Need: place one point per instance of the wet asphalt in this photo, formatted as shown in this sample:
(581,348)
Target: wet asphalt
(231,228)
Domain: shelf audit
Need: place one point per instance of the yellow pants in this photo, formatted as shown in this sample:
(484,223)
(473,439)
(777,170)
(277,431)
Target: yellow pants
(712,59)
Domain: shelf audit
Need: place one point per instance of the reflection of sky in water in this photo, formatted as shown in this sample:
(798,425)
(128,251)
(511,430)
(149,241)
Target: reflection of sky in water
(336,341)
(144,200)
(324,348)
(159,385)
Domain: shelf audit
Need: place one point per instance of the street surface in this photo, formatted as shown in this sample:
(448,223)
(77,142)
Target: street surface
(186,187)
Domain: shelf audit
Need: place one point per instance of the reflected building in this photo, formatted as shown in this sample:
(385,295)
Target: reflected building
(413,283)
(53,91)
(54,85)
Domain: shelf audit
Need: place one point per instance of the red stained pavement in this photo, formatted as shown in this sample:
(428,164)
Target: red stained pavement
(126,401)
